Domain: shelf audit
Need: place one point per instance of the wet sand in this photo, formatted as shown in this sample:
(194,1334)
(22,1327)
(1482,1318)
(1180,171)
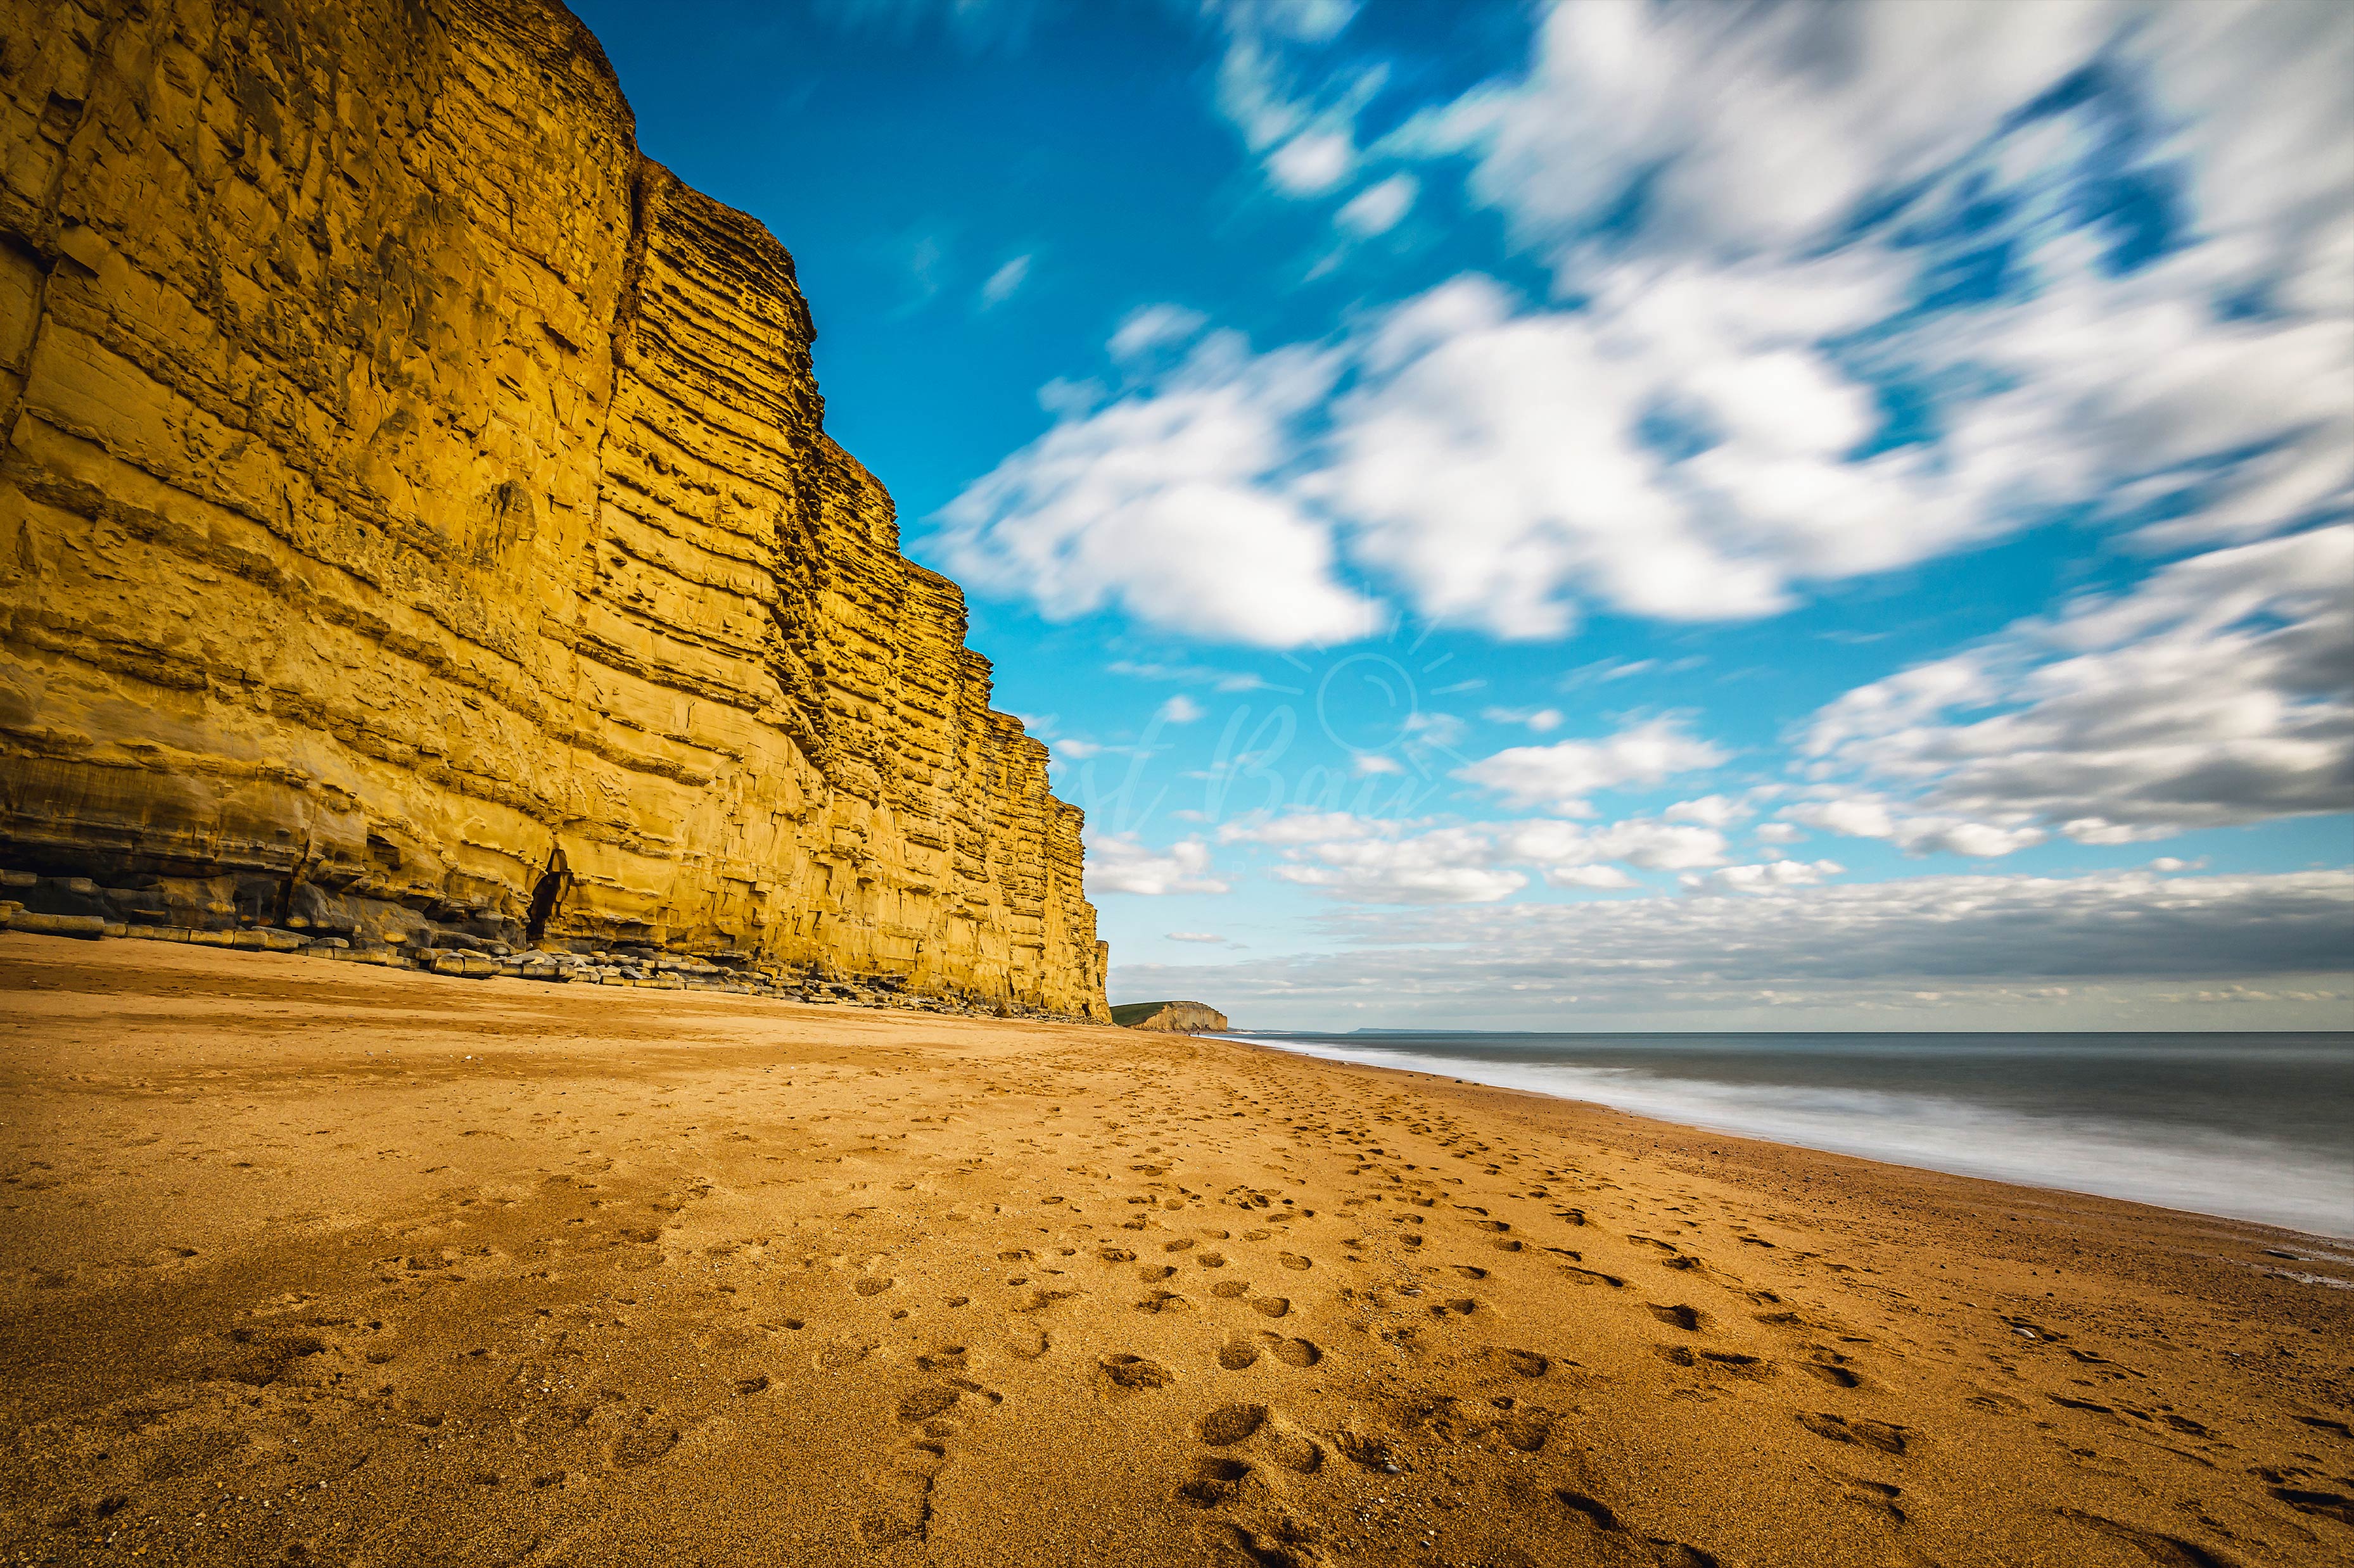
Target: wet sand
(306,1263)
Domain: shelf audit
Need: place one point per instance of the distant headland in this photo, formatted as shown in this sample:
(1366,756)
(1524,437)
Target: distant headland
(1172,1017)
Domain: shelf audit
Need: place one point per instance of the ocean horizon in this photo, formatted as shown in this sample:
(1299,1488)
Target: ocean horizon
(2246,1124)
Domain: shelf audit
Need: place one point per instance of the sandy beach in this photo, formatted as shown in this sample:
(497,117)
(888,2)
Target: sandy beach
(307,1262)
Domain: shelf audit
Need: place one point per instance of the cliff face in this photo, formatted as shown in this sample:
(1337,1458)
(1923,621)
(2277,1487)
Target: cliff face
(1171,1017)
(415,504)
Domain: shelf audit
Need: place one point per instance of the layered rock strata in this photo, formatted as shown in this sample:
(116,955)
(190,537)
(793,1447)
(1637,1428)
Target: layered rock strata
(417,520)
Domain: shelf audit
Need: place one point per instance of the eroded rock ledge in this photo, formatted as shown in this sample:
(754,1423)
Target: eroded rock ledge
(417,518)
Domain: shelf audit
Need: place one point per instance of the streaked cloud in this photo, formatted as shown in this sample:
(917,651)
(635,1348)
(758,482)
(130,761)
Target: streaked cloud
(1117,863)
(2219,691)
(1380,207)
(1561,776)
(1004,283)
(2020,944)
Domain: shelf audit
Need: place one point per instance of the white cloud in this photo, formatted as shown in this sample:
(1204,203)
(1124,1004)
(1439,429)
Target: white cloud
(1204,937)
(1545,721)
(1638,841)
(1179,709)
(1304,828)
(1496,465)
(1779,833)
(1159,505)
(1412,871)
(1378,208)
(1192,674)
(1307,21)
(1303,137)
(1117,863)
(1561,776)
(2217,692)
(1600,879)
(1694,440)
(1154,327)
(1371,861)
(1715,811)
(1763,124)
(1867,818)
(1365,763)
(1766,877)
(1005,282)
(1311,163)
(1837,944)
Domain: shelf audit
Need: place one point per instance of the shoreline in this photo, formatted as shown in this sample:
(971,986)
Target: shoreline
(2342,1244)
(354,1265)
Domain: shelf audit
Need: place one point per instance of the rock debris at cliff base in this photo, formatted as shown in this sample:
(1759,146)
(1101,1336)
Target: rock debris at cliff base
(418,522)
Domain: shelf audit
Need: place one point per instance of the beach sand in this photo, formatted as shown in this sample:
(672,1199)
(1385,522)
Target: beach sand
(309,1263)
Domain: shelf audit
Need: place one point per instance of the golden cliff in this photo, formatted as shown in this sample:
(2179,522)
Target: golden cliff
(416,516)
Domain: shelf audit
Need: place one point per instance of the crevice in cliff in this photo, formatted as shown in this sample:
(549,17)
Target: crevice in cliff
(35,235)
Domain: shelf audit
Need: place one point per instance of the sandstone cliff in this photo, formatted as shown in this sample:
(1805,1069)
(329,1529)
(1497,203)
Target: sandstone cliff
(415,506)
(1171,1017)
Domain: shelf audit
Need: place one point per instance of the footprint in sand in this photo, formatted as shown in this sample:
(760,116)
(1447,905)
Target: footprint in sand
(1238,1355)
(1155,1271)
(1291,1447)
(1215,1482)
(1525,1427)
(847,1350)
(1829,1371)
(1880,1435)
(1519,1362)
(1677,1316)
(1367,1453)
(1230,1288)
(1294,1260)
(1133,1372)
(1271,1305)
(1300,1353)
(1598,1517)
(643,1444)
(1230,1424)
(932,1400)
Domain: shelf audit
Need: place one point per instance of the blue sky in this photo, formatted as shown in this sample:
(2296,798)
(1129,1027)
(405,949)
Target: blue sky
(1604,515)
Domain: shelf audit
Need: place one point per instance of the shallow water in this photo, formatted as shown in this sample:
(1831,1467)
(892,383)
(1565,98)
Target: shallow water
(2255,1126)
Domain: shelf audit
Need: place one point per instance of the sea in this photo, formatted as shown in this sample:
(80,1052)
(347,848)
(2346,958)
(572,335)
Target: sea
(2253,1127)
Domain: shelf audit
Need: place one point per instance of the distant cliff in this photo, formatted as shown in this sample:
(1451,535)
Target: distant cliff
(415,506)
(1173,1017)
